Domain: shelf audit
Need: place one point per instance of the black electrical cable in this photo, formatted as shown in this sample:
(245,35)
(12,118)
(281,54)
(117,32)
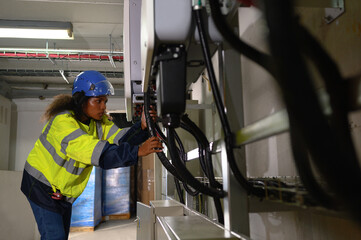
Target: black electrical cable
(197,13)
(304,168)
(336,87)
(219,209)
(182,152)
(193,129)
(323,144)
(191,192)
(206,165)
(176,181)
(179,190)
(184,160)
(298,108)
(258,57)
(152,131)
(201,148)
(187,176)
(201,151)
(199,135)
(184,175)
(264,60)
(160,133)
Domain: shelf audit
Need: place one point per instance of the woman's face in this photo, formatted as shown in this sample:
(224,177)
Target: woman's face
(95,107)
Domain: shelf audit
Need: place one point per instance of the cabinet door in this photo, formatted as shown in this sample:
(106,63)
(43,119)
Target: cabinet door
(145,222)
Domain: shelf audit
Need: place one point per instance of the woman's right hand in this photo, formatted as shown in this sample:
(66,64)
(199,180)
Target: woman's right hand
(152,145)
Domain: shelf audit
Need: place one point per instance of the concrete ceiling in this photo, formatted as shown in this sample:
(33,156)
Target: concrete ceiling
(97,27)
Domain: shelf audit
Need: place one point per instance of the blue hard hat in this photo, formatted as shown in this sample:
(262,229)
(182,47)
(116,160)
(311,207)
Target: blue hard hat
(93,83)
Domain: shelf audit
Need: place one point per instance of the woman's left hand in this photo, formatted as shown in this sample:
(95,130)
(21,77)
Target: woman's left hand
(153,144)
(153,115)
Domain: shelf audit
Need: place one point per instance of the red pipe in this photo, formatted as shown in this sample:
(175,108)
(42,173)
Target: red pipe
(60,56)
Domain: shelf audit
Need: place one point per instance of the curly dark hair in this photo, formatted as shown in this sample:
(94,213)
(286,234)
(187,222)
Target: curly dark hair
(64,102)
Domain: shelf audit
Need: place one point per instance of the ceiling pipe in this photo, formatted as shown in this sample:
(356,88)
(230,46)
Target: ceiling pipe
(76,2)
(66,51)
(66,54)
(53,73)
(59,56)
(49,86)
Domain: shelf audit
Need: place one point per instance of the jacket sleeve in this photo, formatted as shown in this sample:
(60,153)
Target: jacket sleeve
(114,156)
(121,150)
(134,135)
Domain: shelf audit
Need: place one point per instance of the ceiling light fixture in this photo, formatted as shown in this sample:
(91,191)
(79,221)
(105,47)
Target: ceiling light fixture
(36,29)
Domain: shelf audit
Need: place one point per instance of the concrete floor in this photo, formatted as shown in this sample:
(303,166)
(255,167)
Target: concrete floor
(112,229)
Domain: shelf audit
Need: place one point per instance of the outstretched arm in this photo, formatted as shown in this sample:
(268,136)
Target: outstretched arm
(114,156)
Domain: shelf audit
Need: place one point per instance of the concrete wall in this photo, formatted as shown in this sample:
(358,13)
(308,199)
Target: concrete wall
(17,220)
(28,128)
(5,118)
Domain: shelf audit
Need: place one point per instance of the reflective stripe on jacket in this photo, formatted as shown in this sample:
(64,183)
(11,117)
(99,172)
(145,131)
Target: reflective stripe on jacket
(64,154)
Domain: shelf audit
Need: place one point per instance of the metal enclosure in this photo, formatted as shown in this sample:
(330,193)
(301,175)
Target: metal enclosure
(168,219)
(190,227)
(146,216)
(145,222)
(131,39)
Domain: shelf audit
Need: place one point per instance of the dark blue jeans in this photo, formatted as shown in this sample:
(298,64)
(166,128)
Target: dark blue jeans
(51,225)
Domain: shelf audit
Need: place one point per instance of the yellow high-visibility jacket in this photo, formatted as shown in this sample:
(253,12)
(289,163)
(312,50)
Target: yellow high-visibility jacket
(67,150)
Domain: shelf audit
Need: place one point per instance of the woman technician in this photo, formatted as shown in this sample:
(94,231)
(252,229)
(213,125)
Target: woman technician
(76,137)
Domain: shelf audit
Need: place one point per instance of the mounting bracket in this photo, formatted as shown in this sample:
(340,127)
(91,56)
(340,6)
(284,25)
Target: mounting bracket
(334,12)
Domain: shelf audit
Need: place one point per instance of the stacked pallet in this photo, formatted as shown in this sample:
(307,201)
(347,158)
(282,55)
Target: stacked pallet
(116,194)
(106,197)
(87,209)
